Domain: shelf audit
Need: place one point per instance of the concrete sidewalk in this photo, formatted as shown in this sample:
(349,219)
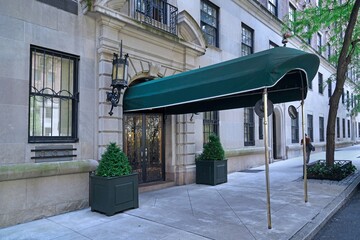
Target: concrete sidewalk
(234,210)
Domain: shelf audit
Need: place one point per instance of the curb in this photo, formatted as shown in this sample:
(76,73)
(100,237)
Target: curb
(310,229)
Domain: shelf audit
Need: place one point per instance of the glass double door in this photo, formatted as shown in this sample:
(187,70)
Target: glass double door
(143,145)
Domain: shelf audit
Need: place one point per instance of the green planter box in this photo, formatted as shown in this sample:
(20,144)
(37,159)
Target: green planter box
(211,172)
(110,195)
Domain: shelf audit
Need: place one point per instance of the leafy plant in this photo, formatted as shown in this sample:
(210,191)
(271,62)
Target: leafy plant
(113,162)
(213,150)
(338,171)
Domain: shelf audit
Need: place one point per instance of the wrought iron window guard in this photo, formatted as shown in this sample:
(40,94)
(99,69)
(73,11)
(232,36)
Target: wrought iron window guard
(157,13)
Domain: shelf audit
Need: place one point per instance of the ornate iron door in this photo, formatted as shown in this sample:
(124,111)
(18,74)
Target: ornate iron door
(143,145)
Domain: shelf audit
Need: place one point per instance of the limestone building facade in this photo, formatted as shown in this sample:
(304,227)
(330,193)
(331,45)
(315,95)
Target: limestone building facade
(56,64)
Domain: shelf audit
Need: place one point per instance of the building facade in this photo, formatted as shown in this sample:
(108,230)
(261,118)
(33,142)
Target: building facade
(57,55)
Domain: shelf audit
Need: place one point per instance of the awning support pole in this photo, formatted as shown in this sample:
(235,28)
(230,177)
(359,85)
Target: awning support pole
(304,148)
(267,158)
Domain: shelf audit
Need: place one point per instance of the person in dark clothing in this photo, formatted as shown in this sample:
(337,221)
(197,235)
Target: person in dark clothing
(308,147)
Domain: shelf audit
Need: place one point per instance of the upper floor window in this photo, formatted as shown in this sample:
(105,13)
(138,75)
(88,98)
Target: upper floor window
(53,97)
(306,29)
(272,6)
(157,13)
(319,42)
(249,127)
(321,83)
(70,6)
(292,16)
(329,87)
(210,125)
(247,41)
(328,50)
(209,22)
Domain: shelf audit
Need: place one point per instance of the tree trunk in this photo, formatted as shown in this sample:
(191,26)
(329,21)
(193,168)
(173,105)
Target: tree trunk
(342,66)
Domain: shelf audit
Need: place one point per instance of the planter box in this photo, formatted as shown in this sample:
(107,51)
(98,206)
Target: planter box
(211,172)
(342,170)
(110,195)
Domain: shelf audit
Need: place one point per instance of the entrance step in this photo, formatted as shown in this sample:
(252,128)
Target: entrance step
(146,187)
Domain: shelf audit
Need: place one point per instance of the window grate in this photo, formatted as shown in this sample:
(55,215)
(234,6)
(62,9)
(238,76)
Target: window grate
(157,13)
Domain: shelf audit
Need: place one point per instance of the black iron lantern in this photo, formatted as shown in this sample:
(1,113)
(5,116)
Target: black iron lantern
(119,78)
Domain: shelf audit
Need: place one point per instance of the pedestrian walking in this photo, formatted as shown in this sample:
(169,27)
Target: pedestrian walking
(308,147)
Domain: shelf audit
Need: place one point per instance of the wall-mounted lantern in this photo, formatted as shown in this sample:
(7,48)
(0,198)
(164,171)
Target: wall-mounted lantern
(119,78)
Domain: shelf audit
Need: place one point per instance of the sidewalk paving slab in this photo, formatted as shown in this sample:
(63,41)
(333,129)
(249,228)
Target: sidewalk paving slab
(233,210)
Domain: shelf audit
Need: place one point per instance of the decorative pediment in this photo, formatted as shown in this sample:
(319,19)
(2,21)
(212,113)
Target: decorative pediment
(189,29)
(115,4)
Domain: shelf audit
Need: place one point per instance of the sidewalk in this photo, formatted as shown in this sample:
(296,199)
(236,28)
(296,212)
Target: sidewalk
(234,210)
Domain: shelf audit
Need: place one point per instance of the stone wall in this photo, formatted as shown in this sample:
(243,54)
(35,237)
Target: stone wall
(34,191)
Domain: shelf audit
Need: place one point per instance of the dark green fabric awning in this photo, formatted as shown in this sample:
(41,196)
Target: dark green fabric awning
(232,84)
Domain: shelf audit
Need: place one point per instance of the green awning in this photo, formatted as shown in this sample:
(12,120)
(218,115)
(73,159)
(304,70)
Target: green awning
(237,83)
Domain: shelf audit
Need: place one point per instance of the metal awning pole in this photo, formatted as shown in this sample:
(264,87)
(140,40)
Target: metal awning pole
(267,158)
(304,149)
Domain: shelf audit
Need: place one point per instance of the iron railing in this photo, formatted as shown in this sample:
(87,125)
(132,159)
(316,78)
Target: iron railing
(157,13)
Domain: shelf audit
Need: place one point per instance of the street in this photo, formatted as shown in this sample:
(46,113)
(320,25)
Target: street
(345,223)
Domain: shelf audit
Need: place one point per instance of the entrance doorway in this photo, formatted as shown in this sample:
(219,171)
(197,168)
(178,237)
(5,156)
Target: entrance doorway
(143,136)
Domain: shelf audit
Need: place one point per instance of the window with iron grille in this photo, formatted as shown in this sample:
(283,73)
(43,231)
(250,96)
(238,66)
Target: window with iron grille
(321,129)
(209,22)
(157,13)
(338,127)
(321,83)
(53,97)
(295,130)
(249,127)
(247,41)
(210,125)
(310,126)
(343,129)
(272,6)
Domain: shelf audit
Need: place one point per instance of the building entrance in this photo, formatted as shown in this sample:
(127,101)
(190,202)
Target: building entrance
(143,145)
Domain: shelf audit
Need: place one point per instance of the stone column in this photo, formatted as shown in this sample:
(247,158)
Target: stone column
(185,150)
(110,127)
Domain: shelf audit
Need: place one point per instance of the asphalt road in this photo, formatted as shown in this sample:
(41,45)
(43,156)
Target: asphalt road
(345,224)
